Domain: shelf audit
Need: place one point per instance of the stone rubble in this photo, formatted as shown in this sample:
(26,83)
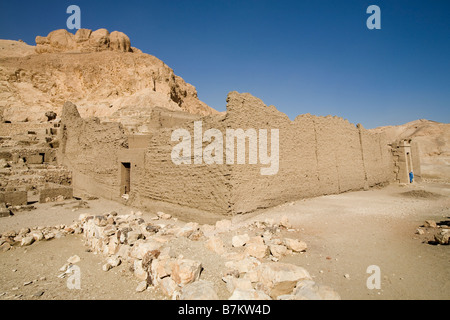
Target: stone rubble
(251,274)
(251,262)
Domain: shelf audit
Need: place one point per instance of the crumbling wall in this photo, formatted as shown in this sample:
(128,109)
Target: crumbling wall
(200,186)
(89,149)
(317,156)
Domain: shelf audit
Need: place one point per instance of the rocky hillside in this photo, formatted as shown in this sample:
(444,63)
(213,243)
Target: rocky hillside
(99,71)
(434,144)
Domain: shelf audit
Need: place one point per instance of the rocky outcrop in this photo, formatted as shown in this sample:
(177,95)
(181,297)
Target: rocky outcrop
(98,71)
(84,40)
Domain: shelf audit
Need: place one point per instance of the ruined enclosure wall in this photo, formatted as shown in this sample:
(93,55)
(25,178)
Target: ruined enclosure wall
(378,161)
(89,149)
(318,155)
(199,186)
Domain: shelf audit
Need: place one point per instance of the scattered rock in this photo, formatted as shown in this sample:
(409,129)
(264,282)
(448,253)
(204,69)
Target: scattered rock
(443,237)
(278,251)
(142,286)
(199,290)
(430,224)
(420,231)
(284,222)
(27,241)
(185,271)
(309,290)
(272,274)
(257,250)
(223,225)
(295,245)
(215,244)
(74,259)
(168,286)
(240,240)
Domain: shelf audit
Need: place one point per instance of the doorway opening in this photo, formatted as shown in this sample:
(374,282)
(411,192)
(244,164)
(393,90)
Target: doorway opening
(125,174)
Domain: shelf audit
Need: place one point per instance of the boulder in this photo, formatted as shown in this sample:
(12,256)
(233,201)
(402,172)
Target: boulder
(257,250)
(295,245)
(443,237)
(278,251)
(27,241)
(199,290)
(185,271)
(215,244)
(309,290)
(119,41)
(240,240)
(281,277)
(246,265)
(168,286)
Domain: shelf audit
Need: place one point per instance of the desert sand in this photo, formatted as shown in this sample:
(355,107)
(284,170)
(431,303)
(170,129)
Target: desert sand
(345,234)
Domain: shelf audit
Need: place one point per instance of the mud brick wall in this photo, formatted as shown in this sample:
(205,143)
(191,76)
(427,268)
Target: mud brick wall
(14,198)
(10,129)
(89,149)
(200,186)
(317,156)
(50,192)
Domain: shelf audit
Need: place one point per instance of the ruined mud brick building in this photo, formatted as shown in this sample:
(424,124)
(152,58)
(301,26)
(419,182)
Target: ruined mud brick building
(317,156)
(28,167)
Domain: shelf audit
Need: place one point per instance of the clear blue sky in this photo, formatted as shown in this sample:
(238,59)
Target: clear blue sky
(304,56)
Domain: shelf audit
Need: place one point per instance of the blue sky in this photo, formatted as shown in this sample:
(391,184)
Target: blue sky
(304,56)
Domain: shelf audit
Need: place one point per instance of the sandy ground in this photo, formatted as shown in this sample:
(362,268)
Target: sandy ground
(345,234)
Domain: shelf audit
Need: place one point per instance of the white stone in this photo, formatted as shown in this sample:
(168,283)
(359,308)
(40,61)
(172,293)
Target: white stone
(185,271)
(240,240)
(142,286)
(295,245)
(74,259)
(198,290)
(216,245)
(26,241)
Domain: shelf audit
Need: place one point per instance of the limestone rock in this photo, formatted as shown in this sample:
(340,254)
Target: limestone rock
(275,274)
(246,265)
(142,286)
(309,290)
(223,225)
(237,283)
(430,224)
(141,247)
(295,245)
(443,237)
(278,251)
(185,271)
(27,241)
(257,250)
(74,259)
(215,244)
(168,286)
(240,240)
(199,290)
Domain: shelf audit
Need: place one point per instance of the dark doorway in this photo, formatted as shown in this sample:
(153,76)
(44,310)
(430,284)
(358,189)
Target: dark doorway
(125,173)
